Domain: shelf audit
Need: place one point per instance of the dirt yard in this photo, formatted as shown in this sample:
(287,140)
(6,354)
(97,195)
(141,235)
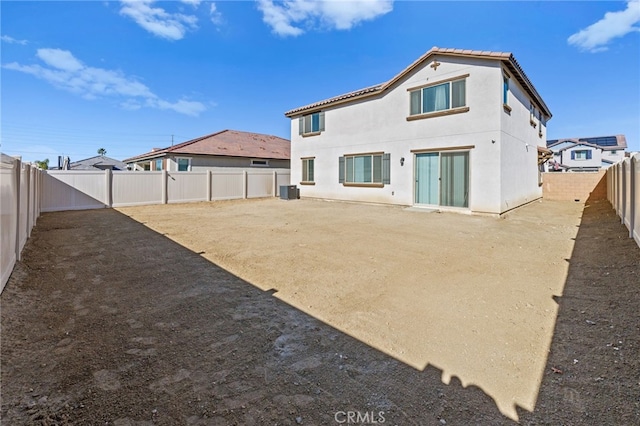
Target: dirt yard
(312,312)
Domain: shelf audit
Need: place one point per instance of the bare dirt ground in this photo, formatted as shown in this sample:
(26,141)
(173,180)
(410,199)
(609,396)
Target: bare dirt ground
(311,312)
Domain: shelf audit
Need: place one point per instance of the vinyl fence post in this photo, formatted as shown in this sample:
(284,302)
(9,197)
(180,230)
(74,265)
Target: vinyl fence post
(245,180)
(27,181)
(40,183)
(633,164)
(617,172)
(275,183)
(17,166)
(108,188)
(608,185)
(164,187)
(623,206)
(209,185)
(34,191)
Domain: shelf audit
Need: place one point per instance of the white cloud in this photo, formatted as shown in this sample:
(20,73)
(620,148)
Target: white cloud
(194,3)
(182,106)
(287,17)
(216,17)
(61,59)
(12,40)
(157,21)
(595,37)
(65,71)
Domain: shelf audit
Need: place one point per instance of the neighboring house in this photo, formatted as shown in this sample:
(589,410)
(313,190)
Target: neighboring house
(456,129)
(99,162)
(228,148)
(586,154)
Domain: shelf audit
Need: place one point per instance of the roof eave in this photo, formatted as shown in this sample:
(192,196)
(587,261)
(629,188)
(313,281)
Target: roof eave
(524,81)
(506,58)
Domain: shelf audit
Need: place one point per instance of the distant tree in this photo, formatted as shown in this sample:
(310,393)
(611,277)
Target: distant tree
(44,164)
(102,152)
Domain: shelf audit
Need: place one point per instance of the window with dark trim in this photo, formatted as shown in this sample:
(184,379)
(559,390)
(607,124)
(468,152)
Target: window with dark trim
(581,154)
(311,124)
(365,169)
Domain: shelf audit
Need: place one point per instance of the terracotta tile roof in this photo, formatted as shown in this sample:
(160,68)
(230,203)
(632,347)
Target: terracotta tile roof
(231,143)
(507,58)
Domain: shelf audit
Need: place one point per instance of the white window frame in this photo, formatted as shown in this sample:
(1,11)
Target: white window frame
(259,162)
(156,164)
(581,151)
(178,163)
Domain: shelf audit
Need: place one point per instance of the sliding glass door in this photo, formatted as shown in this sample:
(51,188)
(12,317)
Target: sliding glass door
(442,178)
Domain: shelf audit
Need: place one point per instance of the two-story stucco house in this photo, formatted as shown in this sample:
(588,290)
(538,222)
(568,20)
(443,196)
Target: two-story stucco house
(456,129)
(586,154)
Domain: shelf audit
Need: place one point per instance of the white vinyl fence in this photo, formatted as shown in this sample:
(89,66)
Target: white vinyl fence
(79,190)
(20,206)
(623,192)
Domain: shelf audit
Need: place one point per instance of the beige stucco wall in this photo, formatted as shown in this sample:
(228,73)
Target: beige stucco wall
(203,162)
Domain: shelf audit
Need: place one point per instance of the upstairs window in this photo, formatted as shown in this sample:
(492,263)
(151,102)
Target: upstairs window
(365,169)
(158,164)
(532,115)
(259,163)
(311,124)
(440,97)
(505,90)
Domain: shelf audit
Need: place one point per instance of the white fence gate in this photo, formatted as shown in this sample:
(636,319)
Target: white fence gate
(623,192)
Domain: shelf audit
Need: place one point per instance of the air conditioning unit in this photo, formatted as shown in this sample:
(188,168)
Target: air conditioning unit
(289,192)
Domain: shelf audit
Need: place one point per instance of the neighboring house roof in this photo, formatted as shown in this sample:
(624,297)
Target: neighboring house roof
(230,143)
(99,162)
(506,58)
(606,143)
(573,145)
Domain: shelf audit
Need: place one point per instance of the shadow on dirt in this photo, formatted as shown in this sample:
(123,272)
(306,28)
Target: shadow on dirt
(106,321)
(593,369)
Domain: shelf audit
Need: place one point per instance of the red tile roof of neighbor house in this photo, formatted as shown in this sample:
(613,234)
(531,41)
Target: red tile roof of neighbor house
(230,143)
(506,58)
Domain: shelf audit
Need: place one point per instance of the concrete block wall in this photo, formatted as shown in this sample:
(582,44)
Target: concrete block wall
(574,186)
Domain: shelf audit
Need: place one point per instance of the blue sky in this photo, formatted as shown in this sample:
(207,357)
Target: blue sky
(133,75)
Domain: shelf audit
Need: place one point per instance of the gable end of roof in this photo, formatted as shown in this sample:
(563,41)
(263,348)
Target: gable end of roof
(505,57)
